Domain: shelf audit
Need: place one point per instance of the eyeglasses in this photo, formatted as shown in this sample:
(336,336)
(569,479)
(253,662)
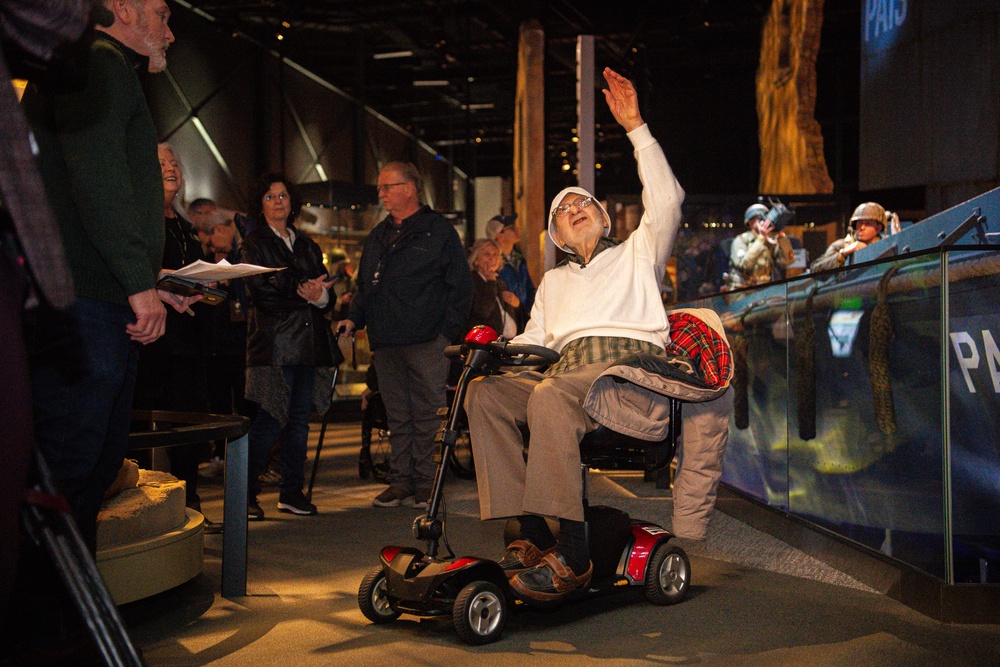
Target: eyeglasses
(385,187)
(281,196)
(562,210)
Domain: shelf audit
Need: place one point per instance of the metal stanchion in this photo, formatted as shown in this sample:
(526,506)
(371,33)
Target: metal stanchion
(169,429)
(234,520)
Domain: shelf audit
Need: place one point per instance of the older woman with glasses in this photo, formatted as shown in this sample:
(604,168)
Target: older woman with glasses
(492,303)
(172,373)
(288,340)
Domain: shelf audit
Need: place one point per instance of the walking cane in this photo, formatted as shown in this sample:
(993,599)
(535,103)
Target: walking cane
(322,433)
(326,420)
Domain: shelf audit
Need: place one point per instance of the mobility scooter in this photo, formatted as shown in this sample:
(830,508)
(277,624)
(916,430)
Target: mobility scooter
(474,591)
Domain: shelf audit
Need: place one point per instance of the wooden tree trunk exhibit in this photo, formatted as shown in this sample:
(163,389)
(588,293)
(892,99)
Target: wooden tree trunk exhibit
(529,145)
(791,144)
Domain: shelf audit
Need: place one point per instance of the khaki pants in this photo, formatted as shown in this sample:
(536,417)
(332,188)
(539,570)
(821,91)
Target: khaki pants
(550,483)
(704,433)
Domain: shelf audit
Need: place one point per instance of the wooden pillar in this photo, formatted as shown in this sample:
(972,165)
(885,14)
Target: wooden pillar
(529,145)
(791,143)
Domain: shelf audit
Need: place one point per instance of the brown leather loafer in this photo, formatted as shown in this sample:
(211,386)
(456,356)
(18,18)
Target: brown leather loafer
(550,580)
(522,555)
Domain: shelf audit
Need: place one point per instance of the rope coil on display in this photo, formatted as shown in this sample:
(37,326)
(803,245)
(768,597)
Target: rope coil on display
(805,359)
(921,273)
(879,347)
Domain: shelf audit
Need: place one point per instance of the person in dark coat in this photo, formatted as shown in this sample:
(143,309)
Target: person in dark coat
(503,230)
(493,304)
(287,340)
(414,293)
(172,374)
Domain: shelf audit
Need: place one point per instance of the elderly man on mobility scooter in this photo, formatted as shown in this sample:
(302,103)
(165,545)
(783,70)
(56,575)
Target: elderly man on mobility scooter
(597,307)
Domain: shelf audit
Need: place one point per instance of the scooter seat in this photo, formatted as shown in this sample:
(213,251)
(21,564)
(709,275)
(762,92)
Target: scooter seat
(608,450)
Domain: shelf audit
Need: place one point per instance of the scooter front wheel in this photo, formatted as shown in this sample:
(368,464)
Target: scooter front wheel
(479,613)
(373,598)
(668,575)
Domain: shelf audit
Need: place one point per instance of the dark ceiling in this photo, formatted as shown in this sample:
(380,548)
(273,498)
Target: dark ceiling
(674,50)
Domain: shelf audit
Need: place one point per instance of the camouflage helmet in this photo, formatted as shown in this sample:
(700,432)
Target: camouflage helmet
(869,211)
(755,211)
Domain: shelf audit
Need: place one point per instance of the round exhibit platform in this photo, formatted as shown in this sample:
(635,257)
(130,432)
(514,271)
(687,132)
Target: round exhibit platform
(140,569)
(147,540)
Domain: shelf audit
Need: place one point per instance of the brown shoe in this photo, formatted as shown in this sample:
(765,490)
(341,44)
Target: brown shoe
(522,555)
(550,580)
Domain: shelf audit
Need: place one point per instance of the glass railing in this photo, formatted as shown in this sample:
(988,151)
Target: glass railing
(972,413)
(867,401)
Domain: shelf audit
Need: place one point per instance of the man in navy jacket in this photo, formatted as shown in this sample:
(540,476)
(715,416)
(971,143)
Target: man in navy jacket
(414,295)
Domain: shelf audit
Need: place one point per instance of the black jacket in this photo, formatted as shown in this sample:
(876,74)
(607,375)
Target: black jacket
(184,334)
(423,288)
(487,310)
(283,329)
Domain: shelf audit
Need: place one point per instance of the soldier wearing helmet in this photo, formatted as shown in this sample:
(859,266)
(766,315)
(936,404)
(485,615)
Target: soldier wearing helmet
(343,286)
(760,254)
(867,226)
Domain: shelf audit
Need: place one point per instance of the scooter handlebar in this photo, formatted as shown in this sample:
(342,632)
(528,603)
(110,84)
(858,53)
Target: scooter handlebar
(510,354)
(530,354)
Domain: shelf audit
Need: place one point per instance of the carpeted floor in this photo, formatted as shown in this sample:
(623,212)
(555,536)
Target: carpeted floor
(753,600)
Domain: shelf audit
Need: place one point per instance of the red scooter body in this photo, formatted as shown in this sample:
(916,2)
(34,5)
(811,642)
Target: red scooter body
(474,591)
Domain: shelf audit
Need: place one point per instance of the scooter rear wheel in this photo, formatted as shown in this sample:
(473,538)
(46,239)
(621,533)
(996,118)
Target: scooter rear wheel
(461,461)
(373,598)
(479,613)
(373,460)
(668,575)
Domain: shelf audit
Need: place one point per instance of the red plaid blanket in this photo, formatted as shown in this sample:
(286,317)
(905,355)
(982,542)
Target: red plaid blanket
(691,337)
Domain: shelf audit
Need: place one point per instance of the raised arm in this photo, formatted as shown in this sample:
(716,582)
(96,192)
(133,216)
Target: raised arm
(661,193)
(622,100)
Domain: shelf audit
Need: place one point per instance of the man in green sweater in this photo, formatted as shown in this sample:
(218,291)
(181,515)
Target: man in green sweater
(97,155)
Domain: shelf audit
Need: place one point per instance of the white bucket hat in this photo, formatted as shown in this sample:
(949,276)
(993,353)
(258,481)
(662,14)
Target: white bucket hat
(558,199)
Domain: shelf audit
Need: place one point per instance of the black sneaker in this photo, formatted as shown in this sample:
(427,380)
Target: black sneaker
(254,512)
(392,496)
(295,503)
(419,499)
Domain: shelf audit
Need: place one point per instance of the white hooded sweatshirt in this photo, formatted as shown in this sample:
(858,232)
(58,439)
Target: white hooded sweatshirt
(618,292)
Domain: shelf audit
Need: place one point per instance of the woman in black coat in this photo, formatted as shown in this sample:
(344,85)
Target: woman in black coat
(172,374)
(287,340)
(492,303)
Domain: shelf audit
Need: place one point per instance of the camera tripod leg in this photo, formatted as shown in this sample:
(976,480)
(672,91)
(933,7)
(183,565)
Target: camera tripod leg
(48,521)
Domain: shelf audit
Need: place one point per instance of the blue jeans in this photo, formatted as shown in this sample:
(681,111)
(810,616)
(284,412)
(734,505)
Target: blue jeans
(83,367)
(266,430)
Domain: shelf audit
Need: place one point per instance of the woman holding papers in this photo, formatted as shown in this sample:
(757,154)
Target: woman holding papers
(287,340)
(172,373)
